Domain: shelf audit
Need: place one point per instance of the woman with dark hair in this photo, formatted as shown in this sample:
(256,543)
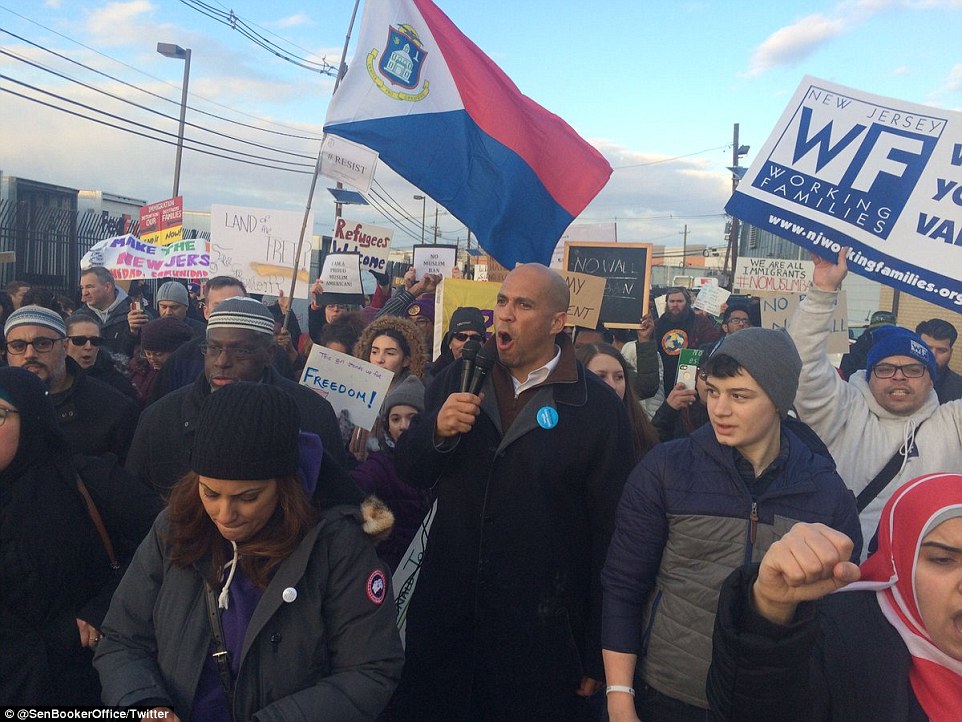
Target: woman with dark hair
(249,600)
(607,363)
(55,567)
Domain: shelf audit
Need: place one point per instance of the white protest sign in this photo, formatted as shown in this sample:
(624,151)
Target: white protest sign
(372,242)
(587,293)
(661,302)
(434,259)
(606,232)
(257,245)
(127,257)
(777,309)
(355,388)
(341,273)
(348,162)
(882,176)
(710,299)
(774,275)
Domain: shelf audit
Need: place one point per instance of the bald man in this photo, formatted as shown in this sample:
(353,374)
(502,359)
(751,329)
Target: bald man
(504,622)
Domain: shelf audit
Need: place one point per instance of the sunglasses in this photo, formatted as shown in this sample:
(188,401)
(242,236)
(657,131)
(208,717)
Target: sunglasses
(94,341)
(462,337)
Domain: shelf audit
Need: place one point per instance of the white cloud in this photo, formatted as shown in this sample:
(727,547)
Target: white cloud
(795,42)
(901,70)
(953,83)
(292,21)
(111,21)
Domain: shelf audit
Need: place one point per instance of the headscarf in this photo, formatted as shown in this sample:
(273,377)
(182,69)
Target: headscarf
(910,514)
(40,437)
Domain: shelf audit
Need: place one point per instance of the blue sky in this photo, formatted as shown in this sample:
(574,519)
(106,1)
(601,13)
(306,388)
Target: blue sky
(654,85)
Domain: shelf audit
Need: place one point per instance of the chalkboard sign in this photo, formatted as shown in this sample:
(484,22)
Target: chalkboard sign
(626,268)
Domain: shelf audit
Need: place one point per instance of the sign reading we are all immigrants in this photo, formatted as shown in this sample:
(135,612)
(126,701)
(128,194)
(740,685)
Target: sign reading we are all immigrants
(883,176)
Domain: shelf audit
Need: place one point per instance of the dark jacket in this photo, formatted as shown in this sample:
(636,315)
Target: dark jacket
(948,387)
(646,377)
(105,371)
(160,452)
(693,331)
(95,418)
(504,620)
(838,661)
(332,653)
(687,519)
(116,333)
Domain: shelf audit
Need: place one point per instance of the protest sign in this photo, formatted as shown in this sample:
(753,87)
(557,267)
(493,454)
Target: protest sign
(406,575)
(258,245)
(435,259)
(587,293)
(348,162)
(162,222)
(341,275)
(710,299)
(883,176)
(626,268)
(452,294)
(775,275)
(777,309)
(606,232)
(355,388)
(372,242)
(127,257)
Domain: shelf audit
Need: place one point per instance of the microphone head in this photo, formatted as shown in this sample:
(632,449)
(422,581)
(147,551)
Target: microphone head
(485,358)
(470,350)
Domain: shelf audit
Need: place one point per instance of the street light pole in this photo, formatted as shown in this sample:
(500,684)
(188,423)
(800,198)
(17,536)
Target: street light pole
(169,50)
(423,203)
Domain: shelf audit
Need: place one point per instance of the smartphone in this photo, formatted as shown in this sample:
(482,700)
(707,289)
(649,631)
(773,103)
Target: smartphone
(688,367)
(136,306)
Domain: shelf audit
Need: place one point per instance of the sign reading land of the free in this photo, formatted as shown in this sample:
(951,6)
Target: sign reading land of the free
(354,388)
(373,243)
(626,268)
(882,176)
(258,245)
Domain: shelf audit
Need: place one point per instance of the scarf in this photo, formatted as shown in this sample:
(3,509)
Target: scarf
(909,515)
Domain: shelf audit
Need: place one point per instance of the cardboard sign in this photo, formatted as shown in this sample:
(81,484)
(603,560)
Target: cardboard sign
(348,162)
(587,293)
(355,388)
(439,260)
(710,299)
(777,309)
(626,268)
(880,175)
(774,275)
(452,294)
(258,245)
(162,222)
(372,242)
(128,257)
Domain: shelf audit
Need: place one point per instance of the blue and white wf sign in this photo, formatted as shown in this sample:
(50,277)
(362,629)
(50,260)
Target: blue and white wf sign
(846,168)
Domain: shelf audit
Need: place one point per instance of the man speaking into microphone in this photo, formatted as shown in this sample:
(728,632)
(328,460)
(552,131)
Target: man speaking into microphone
(504,622)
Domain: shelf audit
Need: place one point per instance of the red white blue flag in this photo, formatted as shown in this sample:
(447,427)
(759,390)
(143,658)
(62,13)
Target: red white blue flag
(446,118)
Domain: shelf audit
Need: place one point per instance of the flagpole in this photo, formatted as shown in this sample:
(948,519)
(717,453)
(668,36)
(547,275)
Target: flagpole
(317,172)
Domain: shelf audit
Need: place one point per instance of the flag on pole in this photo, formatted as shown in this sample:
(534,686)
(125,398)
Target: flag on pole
(446,118)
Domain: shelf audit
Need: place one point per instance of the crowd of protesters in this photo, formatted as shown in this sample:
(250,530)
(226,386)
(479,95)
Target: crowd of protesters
(185,527)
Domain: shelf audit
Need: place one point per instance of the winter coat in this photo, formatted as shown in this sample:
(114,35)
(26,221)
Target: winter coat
(838,661)
(685,521)
(331,653)
(948,386)
(115,332)
(96,418)
(160,452)
(506,610)
(105,371)
(861,435)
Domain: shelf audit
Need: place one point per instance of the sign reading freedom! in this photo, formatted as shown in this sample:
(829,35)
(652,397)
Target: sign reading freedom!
(883,176)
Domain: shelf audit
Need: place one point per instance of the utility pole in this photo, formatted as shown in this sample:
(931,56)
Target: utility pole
(731,252)
(684,250)
(435,224)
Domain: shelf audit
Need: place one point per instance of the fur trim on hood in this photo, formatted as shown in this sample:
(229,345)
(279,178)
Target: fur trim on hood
(406,329)
(378,519)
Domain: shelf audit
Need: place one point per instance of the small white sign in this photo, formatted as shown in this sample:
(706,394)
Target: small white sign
(710,299)
(342,273)
(348,162)
(355,388)
(439,260)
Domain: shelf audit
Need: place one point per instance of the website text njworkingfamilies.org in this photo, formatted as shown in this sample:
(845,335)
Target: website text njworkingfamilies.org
(817,238)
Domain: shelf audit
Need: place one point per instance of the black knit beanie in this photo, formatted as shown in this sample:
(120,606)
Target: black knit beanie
(246,432)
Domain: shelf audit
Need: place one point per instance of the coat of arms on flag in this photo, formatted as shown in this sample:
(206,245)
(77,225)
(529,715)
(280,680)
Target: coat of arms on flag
(403,57)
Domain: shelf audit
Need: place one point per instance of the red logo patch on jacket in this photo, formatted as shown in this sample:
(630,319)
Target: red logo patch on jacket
(376,586)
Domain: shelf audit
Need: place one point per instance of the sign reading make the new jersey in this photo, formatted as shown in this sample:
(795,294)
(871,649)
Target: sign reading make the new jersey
(883,176)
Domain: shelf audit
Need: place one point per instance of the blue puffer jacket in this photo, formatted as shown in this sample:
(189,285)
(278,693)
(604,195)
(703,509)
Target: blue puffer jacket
(686,520)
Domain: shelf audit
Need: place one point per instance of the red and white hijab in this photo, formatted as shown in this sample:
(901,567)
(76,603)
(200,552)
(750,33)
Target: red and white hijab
(909,515)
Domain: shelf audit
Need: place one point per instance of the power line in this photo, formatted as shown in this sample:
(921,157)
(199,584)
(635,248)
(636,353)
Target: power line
(667,160)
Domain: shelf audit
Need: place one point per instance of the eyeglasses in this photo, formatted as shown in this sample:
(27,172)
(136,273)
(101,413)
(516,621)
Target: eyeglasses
(462,337)
(94,341)
(909,371)
(41,344)
(4,412)
(735,321)
(241,353)
(336,307)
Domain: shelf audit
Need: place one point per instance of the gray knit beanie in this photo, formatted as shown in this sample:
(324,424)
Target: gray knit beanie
(173,291)
(770,357)
(409,392)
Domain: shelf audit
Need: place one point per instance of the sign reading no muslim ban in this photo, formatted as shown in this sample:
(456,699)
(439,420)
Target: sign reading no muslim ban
(439,260)
(258,245)
(777,309)
(128,257)
(847,168)
(626,268)
(355,388)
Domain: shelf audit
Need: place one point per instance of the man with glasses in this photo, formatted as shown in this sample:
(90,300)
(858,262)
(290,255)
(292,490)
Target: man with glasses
(95,418)
(467,323)
(239,346)
(884,426)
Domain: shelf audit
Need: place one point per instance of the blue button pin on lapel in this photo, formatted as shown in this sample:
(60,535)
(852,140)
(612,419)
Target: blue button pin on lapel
(547,417)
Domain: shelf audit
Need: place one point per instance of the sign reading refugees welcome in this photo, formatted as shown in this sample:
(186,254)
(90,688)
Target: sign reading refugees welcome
(882,176)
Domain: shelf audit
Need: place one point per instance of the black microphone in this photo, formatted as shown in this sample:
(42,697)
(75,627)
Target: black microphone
(483,363)
(468,353)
